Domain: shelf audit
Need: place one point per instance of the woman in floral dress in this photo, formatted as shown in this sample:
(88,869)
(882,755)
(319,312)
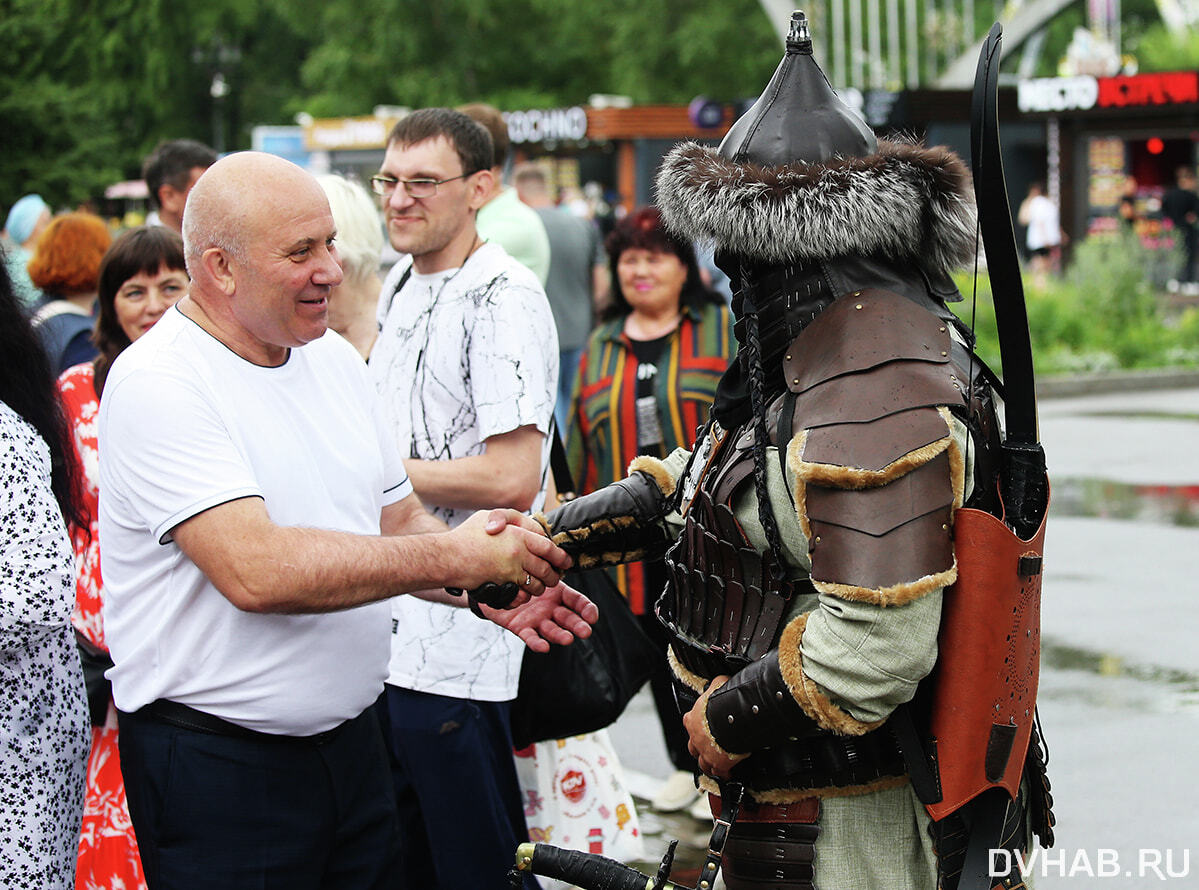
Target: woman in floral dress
(141,277)
(43,719)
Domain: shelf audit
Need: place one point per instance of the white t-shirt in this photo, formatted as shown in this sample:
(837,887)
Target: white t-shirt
(462,355)
(1044,226)
(186,424)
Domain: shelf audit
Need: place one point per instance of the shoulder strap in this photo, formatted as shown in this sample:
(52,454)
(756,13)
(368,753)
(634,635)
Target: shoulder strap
(562,475)
(399,287)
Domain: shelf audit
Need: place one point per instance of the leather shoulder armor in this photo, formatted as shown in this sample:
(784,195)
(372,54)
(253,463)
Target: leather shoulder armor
(877,471)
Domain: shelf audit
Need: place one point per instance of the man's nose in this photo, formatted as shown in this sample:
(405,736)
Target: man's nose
(399,198)
(330,270)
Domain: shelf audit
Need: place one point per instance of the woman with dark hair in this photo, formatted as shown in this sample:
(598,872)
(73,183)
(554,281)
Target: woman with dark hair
(645,383)
(65,264)
(141,276)
(43,716)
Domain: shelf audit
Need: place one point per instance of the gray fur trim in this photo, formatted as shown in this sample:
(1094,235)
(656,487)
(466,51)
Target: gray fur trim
(905,203)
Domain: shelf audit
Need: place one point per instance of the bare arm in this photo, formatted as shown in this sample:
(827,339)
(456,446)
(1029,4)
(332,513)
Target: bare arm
(558,615)
(263,567)
(506,474)
(601,282)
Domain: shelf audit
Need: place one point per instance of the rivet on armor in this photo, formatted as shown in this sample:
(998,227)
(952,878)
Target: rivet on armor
(788,358)
(944,527)
(943,352)
(730,718)
(704,885)
(857,293)
(817,541)
(711,866)
(754,709)
(858,306)
(778,695)
(941,329)
(795,381)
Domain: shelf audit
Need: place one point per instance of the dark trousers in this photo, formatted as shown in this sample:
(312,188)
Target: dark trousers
(661,685)
(218,811)
(1190,247)
(661,681)
(461,814)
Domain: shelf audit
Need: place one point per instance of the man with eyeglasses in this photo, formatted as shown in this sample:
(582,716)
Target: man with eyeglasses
(466,363)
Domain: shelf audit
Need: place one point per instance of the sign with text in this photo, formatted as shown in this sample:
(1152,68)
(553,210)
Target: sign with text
(1055,94)
(547,125)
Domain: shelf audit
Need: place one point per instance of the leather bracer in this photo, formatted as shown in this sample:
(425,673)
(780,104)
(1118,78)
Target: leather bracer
(620,523)
(755,709)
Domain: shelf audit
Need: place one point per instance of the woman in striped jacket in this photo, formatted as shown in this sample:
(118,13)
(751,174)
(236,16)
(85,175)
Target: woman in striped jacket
(644,386)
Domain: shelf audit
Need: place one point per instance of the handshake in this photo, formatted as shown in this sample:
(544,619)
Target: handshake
(519,580)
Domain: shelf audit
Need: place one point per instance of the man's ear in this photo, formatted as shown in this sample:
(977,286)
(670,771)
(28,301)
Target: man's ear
(171,199)
(216,263)
(482,184)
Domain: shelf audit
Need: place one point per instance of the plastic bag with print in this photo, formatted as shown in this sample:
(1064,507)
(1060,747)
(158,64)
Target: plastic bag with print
(575,797)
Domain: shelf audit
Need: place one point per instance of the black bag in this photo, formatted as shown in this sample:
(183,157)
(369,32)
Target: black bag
(95,661)
(585,686)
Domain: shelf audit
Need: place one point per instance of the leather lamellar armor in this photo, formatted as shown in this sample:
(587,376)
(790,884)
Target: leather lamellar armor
(895,377)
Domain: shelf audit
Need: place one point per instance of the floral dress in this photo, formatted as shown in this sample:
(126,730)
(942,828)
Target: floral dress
(108,856)
(43,718)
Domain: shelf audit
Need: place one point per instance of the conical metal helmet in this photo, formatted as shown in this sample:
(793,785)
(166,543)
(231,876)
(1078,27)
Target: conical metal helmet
(798,118)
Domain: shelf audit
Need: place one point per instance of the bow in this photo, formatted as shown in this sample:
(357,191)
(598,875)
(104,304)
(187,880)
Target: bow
(1023,483)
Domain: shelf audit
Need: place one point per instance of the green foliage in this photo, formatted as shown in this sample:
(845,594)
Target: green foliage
(1102,314)
(1159,49)
(88,88)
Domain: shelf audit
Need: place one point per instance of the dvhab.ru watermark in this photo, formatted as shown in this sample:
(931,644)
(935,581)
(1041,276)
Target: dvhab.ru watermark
(1163,864)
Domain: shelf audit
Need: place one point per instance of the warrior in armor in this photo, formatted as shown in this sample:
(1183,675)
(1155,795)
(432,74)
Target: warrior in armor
(810,535)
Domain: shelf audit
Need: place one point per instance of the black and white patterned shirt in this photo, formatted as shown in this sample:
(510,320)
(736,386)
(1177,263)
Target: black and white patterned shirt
(462,355)
(44,735)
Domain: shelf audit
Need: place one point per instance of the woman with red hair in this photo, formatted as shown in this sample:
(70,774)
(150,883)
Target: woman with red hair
(66,268)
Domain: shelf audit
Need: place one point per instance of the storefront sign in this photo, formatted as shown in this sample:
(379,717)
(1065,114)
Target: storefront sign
(1057,93)
(1052,94)
(1173,88)
(332,134)
(548,125)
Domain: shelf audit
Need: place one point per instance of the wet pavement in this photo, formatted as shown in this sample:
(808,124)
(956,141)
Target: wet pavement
(1119,694)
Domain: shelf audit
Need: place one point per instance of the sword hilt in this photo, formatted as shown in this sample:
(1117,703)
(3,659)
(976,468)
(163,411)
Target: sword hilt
(587,871)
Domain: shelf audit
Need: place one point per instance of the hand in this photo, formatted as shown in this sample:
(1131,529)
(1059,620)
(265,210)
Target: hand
(498,520)
(506,546)
(712,760)
(559,615)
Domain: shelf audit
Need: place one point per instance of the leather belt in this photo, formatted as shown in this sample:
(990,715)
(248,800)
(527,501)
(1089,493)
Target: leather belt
(184,717)
(805,811)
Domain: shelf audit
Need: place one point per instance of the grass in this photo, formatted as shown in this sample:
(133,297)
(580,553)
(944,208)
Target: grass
(1103,313)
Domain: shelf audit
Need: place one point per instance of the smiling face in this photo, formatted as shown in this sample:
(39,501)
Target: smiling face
(282,286)
(437,231)
(651,280)
(259,236)
(142,299)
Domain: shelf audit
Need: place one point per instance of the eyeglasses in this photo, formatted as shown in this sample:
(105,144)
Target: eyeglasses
(384,186)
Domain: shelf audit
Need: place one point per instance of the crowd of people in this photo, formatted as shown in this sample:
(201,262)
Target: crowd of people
(290,577)
(237,424)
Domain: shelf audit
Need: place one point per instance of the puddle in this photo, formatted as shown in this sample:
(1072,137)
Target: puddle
(1102,498)
(1139,415)
(1104,679)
